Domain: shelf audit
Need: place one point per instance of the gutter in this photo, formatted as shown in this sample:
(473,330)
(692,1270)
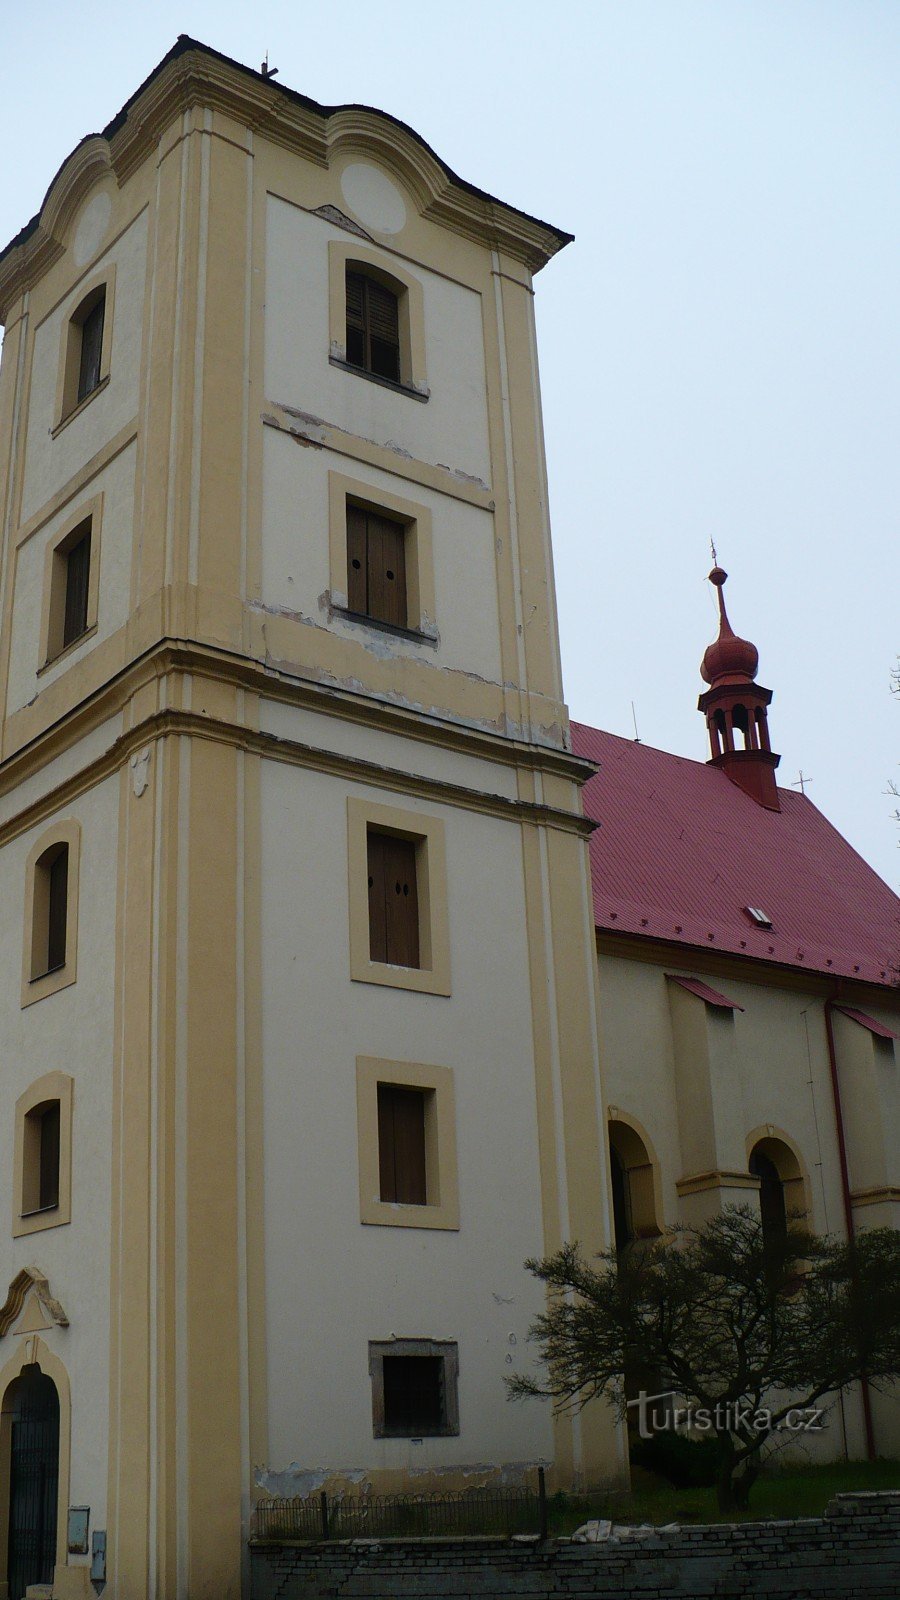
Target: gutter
(848,1203)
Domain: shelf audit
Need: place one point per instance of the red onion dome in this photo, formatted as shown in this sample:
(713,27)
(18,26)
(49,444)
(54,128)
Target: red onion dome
(729,657)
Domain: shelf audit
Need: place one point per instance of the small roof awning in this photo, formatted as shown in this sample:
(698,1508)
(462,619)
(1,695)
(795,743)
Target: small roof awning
(711,996)
(878,1028)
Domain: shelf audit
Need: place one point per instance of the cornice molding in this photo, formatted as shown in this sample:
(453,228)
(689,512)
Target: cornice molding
(194,76)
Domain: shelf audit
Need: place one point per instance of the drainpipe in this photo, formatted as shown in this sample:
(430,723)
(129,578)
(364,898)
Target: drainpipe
(848,1204)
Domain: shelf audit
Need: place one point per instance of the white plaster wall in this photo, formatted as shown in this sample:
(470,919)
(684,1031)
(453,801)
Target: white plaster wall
(451,428)
(49,463)
(333,1284)
(387,749)
(71,1032)
(116,482)
(295,558)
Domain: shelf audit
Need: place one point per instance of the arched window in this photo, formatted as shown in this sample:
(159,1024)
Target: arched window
(43,1155)
(782,1186)
(51,912)
(635,1214)
(771,1196)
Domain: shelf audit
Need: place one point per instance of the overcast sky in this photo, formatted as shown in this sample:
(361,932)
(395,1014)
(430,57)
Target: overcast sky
(720,347)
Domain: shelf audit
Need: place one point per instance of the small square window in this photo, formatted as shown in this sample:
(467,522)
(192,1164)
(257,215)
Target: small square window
(42,1180)
(414,1388)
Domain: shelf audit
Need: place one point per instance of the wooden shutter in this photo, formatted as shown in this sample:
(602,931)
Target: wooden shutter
(57,908)
(401,1144)
(384,330)
(78,573)
(393,900)
(356,319)
(357,560)
(49,1156)
(91,349)
(373,326)
(387,570)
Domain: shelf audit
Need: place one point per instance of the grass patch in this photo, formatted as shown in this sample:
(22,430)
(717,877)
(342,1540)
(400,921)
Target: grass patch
(777,1494)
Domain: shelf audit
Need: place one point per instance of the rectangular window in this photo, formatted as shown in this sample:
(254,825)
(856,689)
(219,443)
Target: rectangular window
(373,326)
(376,566)
(393,900)
(91,349)
(78,574)
(414,1388)
(401,1145)
(57,909)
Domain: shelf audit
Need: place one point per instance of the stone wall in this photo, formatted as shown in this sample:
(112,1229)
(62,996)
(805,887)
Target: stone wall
(853,1550)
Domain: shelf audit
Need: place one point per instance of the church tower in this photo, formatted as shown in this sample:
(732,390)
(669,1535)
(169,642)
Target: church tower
(736,709)
(298,1016)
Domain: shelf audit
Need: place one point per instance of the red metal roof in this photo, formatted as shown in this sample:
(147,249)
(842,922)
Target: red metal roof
(711,996)
(681,852)
(878,1028)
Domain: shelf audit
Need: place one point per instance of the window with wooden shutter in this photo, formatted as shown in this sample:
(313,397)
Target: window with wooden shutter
(78,574)
(91,349)
(393,900)
(373,326)
(376,566)
(401,1144)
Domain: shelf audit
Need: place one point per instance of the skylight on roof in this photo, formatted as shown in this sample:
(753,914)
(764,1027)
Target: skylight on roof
(760,918)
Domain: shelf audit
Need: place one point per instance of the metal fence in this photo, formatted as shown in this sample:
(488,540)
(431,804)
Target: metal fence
(466,1512)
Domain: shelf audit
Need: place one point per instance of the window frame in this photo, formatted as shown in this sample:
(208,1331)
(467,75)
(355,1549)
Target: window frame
(410,311)
(441,1208)
(445,1349)
(68,405)
(52,1087)
(53,604)
(38,985)
(432,976)
(418,555)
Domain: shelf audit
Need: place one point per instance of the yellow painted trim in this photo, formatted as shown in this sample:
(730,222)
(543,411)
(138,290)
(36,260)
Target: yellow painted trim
(53,603)
(52,1086)
(884,1194)
(67,405)
(420,602)
(34,1351)
(36,986)
(410,303)
(441,1175)
(699,1182)
(433,976)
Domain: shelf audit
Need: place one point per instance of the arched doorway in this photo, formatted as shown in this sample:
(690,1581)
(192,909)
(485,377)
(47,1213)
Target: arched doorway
(31,1412)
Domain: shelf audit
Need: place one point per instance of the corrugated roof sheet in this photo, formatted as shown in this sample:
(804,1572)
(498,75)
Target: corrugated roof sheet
(681,852)
(711,996)
(865,1021)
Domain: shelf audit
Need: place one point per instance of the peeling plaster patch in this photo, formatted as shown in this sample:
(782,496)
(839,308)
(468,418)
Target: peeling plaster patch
(512,1474)
(330,213)
(298,1483)
(281,611)
(466,477)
